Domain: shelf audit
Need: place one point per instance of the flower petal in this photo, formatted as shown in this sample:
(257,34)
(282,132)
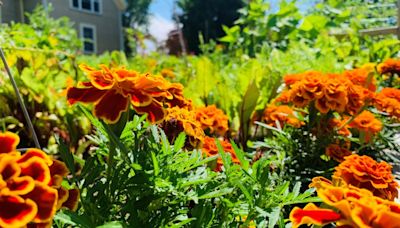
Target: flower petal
(85,95)
(8,142)
(18,213)
(45,198)
(9,167)
(32,152)
(37,169)
(20,185)
(73,198)
(311,214)
(111,106)
(155,111)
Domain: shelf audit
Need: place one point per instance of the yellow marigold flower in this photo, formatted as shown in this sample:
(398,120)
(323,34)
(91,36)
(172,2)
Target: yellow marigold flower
(183,120)
(389,66)
(367,124)
(388,100)
(365,172)
(213,119)
(282,114)
(30,185)
(210,149)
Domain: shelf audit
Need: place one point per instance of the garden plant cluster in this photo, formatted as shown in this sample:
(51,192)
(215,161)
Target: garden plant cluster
(301,129)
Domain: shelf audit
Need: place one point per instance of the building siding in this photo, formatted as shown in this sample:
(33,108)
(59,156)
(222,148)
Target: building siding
(10,11)
(108,27)
(108,31)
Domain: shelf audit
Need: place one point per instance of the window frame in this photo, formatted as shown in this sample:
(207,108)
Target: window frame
(82,26)
(91,11)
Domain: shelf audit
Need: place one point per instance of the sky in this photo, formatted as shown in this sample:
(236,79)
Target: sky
(161,19)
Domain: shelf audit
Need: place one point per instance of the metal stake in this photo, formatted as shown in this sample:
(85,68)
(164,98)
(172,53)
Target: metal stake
(21,102)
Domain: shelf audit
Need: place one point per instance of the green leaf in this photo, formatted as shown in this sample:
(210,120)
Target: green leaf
(92,119)
(66,155)
(273,217)
(73,218)
(246,108)
(179,142)
(216,193)
(114,224)
(156,165)
(296,189)
(240,155)
(224,156)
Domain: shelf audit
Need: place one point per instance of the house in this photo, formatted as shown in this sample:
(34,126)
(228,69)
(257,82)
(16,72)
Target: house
(98,22)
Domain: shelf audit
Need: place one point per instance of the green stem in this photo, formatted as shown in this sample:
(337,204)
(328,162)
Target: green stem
(110,163)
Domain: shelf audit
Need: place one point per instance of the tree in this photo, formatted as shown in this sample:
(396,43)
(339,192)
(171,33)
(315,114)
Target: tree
(136,13)
(134,20)
(205,18)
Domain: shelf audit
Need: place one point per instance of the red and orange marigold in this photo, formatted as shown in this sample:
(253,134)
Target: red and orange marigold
(337,152)
(112,90)
(30,186)
(365,172)
(213,119)
(281,114)
(210,149)
(349,206)
(183,120)
(389,66)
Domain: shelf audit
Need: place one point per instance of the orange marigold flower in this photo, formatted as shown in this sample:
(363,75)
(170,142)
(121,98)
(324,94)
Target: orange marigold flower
(367,124)
(281,114)
(337,152)
(27,193)
(284,97)
(213,119)
(389,66)
(334,96)
(310,87)
(183,120)
(365,172)
(111,91)
(311,214)
(361,77)
(388,100)
(358,96)
(210,149)
(339,126)
(357,207)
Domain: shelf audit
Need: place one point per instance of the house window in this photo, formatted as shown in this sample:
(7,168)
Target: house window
(88,37)
(92,6)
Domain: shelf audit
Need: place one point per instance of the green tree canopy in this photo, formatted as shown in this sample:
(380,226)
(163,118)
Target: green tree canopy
(206,17)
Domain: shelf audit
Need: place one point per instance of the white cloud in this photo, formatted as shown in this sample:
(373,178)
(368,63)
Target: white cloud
(159,27)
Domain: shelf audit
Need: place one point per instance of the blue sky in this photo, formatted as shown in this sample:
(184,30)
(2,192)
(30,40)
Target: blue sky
(162,8)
